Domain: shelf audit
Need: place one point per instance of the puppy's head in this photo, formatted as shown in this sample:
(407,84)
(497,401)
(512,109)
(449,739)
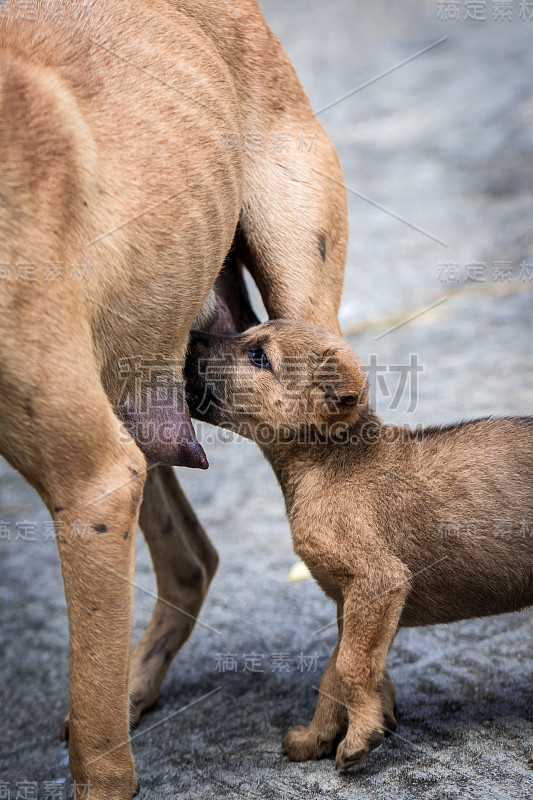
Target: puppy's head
(282,375)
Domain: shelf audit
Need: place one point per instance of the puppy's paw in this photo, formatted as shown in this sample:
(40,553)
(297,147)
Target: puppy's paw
(349,756)
(304,744)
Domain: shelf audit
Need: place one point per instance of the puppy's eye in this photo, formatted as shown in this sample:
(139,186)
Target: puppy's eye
(259,358)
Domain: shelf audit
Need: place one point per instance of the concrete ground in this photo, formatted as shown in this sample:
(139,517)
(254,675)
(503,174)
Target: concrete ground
(445,144)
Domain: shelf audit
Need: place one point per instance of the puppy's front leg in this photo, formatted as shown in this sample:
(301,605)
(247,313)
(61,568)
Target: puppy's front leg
(372,610)
(329,722)
(387,693)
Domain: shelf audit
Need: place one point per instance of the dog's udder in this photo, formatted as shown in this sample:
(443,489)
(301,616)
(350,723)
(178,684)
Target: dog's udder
(164,434)
(215,316)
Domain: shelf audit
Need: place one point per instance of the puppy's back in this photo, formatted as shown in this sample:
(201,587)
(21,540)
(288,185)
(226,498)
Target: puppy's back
(464,518)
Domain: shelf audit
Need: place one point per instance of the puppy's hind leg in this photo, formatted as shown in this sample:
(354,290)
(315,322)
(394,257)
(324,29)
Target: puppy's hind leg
(185,561)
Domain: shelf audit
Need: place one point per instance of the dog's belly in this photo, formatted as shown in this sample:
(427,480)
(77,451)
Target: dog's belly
(463,594)
(96,180)
(180,194)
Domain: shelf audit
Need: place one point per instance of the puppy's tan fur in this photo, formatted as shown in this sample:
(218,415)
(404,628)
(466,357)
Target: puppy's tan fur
(399,528)
(114,126)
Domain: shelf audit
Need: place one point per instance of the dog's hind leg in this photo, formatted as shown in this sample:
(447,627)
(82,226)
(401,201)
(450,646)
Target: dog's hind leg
(59,431)
(294,221)
(184,561)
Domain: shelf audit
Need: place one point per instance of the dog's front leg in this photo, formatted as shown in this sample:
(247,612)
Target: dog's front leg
(184,561)
(96,543)
(372,610)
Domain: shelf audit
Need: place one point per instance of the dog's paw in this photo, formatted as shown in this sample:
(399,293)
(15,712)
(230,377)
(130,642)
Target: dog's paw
(349,756)
(303,744)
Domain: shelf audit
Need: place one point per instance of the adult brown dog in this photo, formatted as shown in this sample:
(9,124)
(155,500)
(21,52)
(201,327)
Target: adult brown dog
(399,527)
(138,138)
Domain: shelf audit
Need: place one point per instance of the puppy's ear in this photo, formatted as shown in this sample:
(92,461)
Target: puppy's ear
(343,383)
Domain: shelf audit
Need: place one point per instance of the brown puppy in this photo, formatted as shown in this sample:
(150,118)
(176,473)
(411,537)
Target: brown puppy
(399,528)
(136,138)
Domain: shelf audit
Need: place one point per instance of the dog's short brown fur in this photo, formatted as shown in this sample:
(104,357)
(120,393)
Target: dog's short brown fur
(140,138)
(399,527)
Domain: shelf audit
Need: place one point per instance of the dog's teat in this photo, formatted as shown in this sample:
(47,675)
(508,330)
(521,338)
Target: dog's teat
(162,428)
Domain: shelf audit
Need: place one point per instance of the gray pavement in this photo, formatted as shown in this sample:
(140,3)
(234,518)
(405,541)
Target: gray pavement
(444,142)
